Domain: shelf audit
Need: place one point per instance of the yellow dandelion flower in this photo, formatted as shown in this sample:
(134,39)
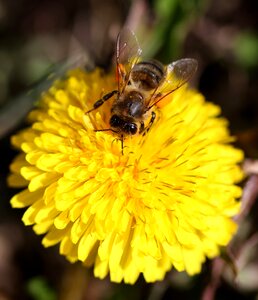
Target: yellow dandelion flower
(166,202)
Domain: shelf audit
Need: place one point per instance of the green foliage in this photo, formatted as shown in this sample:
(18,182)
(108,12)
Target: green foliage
(246,49)
(39,289)
(173,18)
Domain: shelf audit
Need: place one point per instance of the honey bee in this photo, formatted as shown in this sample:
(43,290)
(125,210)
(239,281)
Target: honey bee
(141,86)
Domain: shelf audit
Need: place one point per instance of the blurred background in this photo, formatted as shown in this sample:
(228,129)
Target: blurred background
(40,40)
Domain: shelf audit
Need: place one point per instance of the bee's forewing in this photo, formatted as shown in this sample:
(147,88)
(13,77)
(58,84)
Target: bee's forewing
(178,73)
(128,53)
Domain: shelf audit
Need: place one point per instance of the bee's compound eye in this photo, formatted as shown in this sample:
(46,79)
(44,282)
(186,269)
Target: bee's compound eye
(130,128)
(115,121)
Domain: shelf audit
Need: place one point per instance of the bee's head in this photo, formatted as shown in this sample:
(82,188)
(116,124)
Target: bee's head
(122,125)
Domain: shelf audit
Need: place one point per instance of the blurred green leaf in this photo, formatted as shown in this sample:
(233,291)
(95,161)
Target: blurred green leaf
(36,68)
(165,8)
(246,49)
(172,21)
(39,289)
(119,292)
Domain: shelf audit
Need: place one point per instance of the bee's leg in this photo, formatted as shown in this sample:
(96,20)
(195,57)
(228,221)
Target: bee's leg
(105,129)
(122,144)
(141,128)
(99,102)
(153,117)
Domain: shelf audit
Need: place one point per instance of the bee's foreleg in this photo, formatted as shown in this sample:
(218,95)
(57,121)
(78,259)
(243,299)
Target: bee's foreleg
(99,102)
(141,128)
(122,144)
(153,117)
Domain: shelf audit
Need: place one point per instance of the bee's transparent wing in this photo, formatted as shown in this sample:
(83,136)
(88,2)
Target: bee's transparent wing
(128,53)
(178,73)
